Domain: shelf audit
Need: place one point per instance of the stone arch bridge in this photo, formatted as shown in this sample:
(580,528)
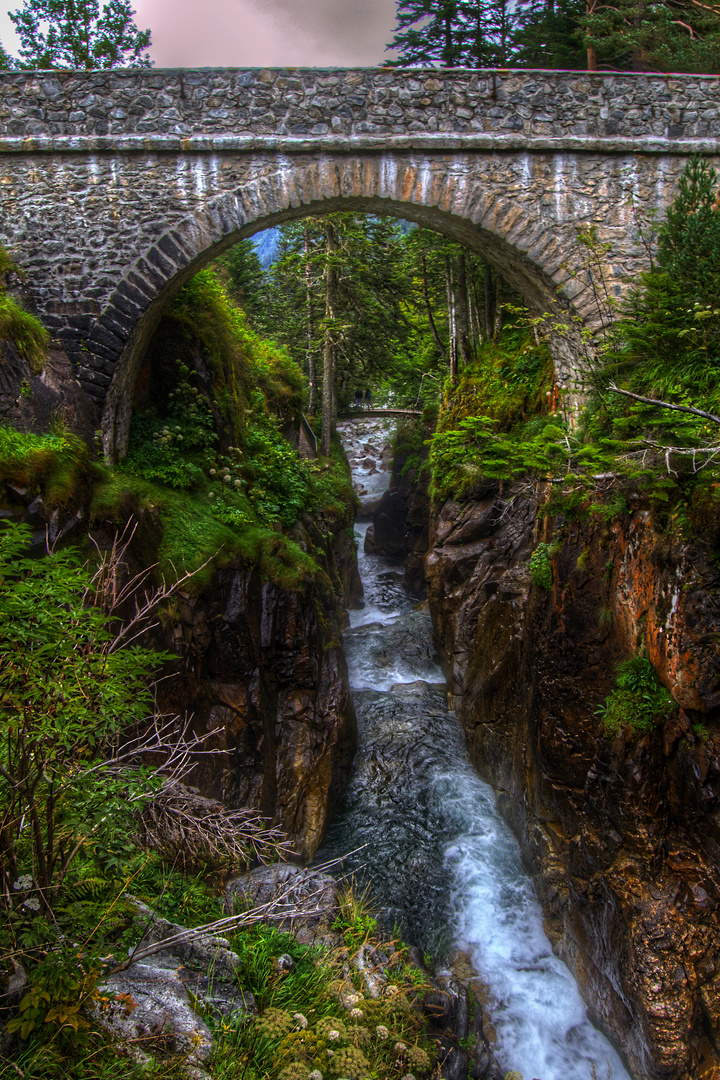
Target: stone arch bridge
(117,186)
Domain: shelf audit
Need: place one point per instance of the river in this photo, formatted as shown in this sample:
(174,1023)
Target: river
(436,856)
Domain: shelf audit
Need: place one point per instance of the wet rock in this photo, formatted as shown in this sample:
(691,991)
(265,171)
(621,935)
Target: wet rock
(284,964)
(262,671)
(370,962)
(401,519)
(620,835)
(31,402)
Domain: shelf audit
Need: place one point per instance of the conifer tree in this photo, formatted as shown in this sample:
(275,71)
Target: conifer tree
(654,35)
(456,33)
(77,34)
(428,32)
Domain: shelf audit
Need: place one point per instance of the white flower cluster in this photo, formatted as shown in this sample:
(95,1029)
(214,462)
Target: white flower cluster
(333,1035)
(315,1075)
(24,882)
(32,902)
(300,1021)
(356,1014)
(382,1032)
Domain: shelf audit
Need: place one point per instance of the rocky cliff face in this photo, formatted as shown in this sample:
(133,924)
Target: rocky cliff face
(259,665)
(621,835)
(401,519)
(263,668)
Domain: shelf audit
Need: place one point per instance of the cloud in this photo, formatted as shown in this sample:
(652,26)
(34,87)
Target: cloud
(255,33)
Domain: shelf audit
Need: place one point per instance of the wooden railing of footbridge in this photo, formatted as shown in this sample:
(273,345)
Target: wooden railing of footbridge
(359,414)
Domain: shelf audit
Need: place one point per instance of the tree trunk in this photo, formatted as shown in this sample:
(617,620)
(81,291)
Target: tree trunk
(489,303)
(428,308)
(328,391)
(452,319)
(591,53)
(461,308)
(497,321)
(311,365)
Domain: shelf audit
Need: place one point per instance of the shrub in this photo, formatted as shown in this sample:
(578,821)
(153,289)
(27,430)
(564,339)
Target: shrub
(639,700)
(541,573)
(67,690)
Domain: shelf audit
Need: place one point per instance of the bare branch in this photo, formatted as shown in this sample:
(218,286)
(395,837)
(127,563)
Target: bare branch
(665,404)
(278,910)
(200,832)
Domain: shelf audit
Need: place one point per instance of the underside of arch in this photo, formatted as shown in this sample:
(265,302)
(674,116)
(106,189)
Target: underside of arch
(525,249)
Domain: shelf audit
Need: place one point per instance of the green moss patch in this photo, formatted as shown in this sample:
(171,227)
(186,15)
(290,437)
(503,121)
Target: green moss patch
(192,535)
(58,467)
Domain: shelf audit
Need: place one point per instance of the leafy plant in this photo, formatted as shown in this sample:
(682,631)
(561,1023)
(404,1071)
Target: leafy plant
(638,702)
(541,567)
(67,690)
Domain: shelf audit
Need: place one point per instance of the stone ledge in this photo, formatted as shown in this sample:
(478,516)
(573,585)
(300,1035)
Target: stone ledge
(288,144)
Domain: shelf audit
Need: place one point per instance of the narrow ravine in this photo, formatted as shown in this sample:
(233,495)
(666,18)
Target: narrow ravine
(436,856)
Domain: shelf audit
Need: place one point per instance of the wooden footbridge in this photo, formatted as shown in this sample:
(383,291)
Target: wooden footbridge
(376,414)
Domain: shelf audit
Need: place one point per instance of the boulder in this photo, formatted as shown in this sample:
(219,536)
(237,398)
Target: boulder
(294,889)
(148,1010)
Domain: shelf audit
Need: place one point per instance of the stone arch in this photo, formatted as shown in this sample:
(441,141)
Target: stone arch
(534,250)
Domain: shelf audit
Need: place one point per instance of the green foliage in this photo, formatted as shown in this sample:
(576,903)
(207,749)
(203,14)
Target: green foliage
(454,33)
(639,701)
(77,34)
(541,573)
(370,327)
(17,326)
(639,35)
(240,268)
(355,922)
(61,985)
(493,423)
(67,690)
(228,384)
(302,1015)
(193,534)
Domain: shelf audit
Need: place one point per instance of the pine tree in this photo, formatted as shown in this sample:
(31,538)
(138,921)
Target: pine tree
(654,35)
(549,36)
(429,32)
(241,270)
(6,61)
(76,34)
(456,33)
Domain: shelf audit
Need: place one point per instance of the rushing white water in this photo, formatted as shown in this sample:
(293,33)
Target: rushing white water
(439,858)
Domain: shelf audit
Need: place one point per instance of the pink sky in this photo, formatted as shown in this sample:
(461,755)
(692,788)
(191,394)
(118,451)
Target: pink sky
(259,33)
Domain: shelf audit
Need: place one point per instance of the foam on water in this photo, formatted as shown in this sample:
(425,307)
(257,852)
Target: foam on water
(534,1002)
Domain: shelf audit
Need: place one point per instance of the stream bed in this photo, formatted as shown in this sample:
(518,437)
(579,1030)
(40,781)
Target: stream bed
(436,856)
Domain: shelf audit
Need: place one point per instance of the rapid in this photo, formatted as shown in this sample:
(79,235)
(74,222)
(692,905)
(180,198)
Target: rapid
(435,854)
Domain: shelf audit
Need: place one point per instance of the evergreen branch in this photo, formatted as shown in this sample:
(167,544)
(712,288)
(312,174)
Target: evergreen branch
(665,404)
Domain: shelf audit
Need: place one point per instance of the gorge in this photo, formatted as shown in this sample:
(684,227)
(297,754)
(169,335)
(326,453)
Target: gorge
(515,731)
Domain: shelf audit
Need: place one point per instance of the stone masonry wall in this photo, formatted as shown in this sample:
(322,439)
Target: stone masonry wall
(49,107)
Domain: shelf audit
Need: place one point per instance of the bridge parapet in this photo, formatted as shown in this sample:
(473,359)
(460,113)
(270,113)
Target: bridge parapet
(217,108)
